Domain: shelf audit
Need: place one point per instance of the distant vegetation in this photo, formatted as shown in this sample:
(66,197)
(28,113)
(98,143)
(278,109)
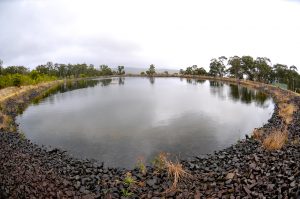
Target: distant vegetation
(20,75)
(246,67)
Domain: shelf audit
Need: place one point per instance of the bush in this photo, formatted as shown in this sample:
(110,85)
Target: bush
(34,74)
(17,80)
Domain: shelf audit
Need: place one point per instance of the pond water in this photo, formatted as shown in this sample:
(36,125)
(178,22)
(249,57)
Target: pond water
(118,120)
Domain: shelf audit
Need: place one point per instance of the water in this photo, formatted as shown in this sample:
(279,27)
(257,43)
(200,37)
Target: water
(119,120)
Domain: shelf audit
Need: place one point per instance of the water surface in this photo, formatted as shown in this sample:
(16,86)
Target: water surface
(118,120)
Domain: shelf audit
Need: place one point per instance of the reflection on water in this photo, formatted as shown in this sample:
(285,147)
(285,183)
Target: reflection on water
(116,120)
(239,93)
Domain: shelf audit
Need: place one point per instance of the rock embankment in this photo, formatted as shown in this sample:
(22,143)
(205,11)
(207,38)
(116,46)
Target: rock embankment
(244,170)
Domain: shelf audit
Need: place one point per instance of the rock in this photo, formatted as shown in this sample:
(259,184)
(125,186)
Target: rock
(151,182)
(230,176)
(77,185)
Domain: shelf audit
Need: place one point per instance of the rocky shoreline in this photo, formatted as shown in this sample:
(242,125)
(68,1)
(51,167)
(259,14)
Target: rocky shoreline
(244,170)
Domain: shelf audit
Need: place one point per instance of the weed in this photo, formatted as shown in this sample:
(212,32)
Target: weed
(275,140)
(126,193)
(141,166)
(128,180)
(159,162)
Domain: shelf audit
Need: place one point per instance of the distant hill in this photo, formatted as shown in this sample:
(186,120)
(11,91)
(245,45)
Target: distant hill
(132,70)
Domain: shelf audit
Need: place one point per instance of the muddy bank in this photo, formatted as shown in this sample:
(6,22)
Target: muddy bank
(245,169)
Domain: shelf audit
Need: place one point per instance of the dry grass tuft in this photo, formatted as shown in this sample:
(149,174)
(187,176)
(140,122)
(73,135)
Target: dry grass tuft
(257,134)
(275,140)
(176,172)
(286,112)
(5,121)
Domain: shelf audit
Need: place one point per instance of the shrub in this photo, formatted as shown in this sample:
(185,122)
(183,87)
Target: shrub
(17,80)
(34,74)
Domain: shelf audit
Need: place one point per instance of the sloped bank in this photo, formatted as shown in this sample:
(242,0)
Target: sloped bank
(245,169)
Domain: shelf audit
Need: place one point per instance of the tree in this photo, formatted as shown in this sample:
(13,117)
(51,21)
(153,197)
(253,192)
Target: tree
(235,68)
(188,71)
(263,69)
(105,70)
(1,63)
(151,70)
(217,66)
(281,72)
(121,70)
(200,71)
(248,67)
(293,68)
(15,70)
(42,69)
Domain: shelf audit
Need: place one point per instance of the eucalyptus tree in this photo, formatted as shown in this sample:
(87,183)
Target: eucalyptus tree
(151,70)
(293,77)
(193,70)
(281,72)
(263,70)
(105,70)
(1,64)
(236,68)
(248,66)
(120,70)
(217,66)
(293,68)
(15,70)
(200,71)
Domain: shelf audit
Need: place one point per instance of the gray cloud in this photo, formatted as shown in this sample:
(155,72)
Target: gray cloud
(139,33)
(32,35)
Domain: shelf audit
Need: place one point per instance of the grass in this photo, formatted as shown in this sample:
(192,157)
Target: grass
(175,171)
(257,134)
(275,140)
(5,121)
(10,92)
(19,80)
(159,161)
(126,193)
(141,166)
(286,112)
(128,180)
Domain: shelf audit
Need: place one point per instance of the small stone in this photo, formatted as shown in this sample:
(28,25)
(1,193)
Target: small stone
(151,182)
(230,176)
(293,184)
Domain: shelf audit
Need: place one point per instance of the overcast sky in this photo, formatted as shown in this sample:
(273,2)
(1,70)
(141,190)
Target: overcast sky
(136,33)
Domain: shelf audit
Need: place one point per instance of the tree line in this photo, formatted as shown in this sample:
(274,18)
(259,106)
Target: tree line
(260,69)
(21,75)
